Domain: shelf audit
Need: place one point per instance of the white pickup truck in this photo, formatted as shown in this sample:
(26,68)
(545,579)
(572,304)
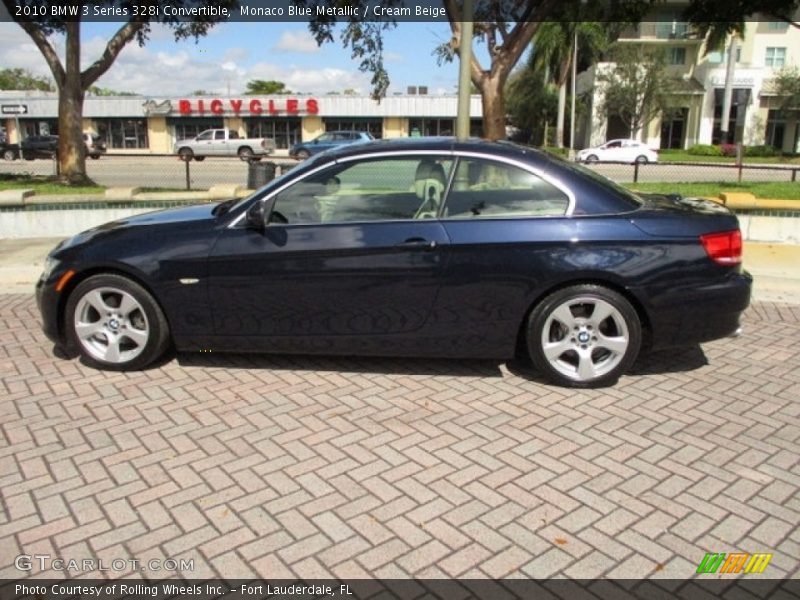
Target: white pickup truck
(224,142)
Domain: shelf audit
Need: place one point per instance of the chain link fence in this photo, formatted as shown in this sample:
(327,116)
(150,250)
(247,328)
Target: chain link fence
(168,172)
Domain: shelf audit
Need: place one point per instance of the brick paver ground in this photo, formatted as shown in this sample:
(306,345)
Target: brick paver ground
(320,467)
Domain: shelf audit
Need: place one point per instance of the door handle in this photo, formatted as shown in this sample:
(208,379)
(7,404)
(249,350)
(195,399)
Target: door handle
(417,243)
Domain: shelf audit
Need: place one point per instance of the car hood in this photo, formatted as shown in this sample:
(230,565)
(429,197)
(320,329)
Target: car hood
(184,215)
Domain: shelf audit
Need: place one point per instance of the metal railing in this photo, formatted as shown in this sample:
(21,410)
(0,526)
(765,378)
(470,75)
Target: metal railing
(168,172)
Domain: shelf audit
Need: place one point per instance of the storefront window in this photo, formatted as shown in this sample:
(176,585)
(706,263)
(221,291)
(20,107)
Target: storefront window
(373,126)
(431,127)
(123,133)
(38,127)
(441,127)
(184,129)
(776,129)
(740,98)
(285,132)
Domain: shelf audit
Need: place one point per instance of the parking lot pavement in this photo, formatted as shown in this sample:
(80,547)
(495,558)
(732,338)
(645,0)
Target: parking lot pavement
(357,467)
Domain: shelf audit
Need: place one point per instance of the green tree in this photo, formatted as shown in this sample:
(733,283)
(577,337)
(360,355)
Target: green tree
(717,20)
(266,88)
(786,86)
(637,86)
(553,50)
(531,104)
(73,82)
(21,79)
(506,29)
(101,91)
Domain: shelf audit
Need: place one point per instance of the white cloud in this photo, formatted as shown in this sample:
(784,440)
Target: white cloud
(296,41)
(176,73)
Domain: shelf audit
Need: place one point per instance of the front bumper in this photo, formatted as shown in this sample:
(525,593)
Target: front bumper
(48,301)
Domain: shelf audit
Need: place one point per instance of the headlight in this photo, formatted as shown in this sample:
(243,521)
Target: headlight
(50,265)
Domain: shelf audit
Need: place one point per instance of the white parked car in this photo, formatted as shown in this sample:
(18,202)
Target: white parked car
(627,151)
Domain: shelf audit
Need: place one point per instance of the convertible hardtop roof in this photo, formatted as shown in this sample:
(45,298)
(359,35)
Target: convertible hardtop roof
(444,144)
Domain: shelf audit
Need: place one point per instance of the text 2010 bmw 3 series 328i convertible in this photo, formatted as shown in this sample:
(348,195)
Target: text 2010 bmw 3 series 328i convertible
(420,247)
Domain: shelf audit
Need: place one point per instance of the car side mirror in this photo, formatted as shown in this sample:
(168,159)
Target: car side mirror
(258,215)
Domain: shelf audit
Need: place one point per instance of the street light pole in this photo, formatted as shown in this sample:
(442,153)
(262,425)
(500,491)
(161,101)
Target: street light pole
(574,77)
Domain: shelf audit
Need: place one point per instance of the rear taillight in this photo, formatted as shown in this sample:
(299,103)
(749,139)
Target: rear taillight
(723,248)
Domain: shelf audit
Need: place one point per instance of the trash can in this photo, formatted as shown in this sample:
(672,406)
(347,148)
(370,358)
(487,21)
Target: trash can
(259,174)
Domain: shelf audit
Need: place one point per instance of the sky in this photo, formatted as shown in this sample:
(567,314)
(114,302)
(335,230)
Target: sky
(234,53)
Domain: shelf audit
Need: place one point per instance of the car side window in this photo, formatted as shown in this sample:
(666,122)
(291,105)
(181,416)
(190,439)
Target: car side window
(486,189)
(219,135)
(614,144)
(206,135)
(369,190)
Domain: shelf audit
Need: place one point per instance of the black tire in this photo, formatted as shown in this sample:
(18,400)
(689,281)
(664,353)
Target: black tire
(592,158)
(123,327)
(302,155)
(199,158)
(246,153)
(9,155)
(94,156)
(587,352)
(642,159)
(186,154)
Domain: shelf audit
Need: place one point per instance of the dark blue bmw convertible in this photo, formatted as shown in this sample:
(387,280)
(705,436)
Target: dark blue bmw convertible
(421,247)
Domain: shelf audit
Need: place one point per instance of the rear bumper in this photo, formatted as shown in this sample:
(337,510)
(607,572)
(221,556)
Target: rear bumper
(701,314)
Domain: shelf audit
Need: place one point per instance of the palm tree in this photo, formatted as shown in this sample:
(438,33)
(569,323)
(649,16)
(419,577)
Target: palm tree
(553,48)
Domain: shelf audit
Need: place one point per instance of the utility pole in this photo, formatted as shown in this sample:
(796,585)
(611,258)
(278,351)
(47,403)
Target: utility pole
(464,79)
(728,95)
(574,77)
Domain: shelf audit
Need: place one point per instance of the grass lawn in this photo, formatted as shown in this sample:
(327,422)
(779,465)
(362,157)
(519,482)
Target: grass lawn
(772,190)
(45,185)
(683,156)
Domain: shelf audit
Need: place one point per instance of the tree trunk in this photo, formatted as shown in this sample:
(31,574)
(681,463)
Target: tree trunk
(494,108)
(71,149)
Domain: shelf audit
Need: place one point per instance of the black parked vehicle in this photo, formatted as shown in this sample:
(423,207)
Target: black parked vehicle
(9,151)
(39,146)
(416,247)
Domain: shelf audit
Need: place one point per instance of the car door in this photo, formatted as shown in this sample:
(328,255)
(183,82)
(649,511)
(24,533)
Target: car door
(506,223)
(219,145)
(611,151)
(203,143)
(346,255)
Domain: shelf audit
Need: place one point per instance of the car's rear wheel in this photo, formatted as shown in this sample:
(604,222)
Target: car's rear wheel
(186,154)
(115,323)
(592,158)
(303,154)
(9,155)
(642,159)
(94,156)
(199,158)
(584,336)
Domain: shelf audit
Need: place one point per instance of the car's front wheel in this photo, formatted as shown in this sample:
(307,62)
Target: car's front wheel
(584,336)
(302,154)
(592,158)
(185,154)
(9,155)
(115,323)
(642,159)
